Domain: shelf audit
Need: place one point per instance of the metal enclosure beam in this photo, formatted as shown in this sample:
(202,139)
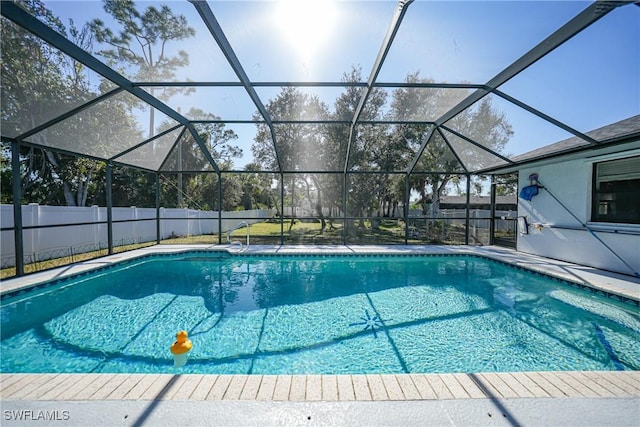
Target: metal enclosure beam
(581,21)
(345,193)
(157,184)
(407,200)
(546,117)
(109,185)
(480,146)
(414,162)
(16,188)
(282,209)
(22,18)
(492,215)
(69,113)
(394,26)
(220,209)
(145,142)
(467,212)
(446,141)
(216,31)
(174,146)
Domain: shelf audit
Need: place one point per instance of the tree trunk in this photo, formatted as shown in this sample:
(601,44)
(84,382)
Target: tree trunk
(82,195)
(423,198)
(437,188)
(319,206)
(68,194)
(26,175)
(66,188)
(435,199)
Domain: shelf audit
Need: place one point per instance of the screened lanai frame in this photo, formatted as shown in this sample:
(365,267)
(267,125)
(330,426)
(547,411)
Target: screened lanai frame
(438,127)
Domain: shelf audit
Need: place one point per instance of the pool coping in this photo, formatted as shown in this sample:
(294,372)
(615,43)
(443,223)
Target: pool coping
(604,398)
(590,391)
(361,387)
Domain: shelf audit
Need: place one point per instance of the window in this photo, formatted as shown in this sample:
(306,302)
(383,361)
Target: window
(616,191)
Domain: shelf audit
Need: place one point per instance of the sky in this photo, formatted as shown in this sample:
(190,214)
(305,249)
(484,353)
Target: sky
(590,81)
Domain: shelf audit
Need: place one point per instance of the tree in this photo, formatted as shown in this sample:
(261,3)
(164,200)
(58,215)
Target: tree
(38,83)
(392,193)
(507,185)
(367,143)
(132,187)
(438,163)
(256,188)
(218,141)
(142,44)
(33,85)
(33,73)
(217,138)
(301,147)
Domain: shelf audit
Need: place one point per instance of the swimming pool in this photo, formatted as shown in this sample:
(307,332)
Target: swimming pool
(277,314)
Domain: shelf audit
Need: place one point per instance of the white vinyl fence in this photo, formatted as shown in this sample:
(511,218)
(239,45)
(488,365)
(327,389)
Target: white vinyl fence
(457,217)
(448,224)
(51,242)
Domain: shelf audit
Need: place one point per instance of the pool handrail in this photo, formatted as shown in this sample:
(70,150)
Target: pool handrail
(234,228)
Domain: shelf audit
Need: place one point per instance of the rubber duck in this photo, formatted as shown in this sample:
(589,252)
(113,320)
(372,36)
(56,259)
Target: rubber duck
(181,348)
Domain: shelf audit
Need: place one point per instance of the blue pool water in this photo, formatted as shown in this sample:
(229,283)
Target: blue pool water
(315,315)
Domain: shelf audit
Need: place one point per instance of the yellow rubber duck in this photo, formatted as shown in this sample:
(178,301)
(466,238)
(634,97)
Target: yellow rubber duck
(180,349)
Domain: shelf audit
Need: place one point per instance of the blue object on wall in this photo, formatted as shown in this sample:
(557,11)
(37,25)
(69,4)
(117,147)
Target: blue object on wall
(528,192)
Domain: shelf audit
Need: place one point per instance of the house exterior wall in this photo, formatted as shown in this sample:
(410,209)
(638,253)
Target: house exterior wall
(555,233)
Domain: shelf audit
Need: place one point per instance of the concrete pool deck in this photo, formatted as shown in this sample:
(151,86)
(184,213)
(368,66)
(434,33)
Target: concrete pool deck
(610,398)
